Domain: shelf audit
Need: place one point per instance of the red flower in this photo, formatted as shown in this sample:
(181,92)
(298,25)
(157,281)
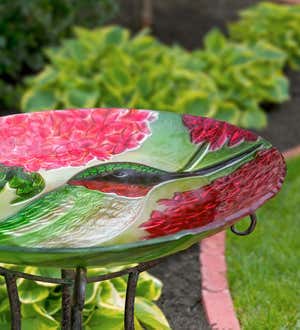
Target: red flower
(227,198)
(53,139)
(216,133)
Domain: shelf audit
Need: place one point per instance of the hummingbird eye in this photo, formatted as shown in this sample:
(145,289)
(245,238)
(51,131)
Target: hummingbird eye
(120,174)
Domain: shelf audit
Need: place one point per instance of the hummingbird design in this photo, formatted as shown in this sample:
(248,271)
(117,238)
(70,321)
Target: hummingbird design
(92,177)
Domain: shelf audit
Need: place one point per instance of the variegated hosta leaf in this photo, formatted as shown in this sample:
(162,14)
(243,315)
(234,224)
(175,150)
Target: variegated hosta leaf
(106,317)
(30,292)
(104,307)
(52,304)
(140,72)
(150,315)
(44,272)
(4,303)
(149,287)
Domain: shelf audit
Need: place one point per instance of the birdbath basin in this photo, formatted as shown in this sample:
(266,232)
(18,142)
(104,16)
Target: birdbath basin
(100,187)
(111,187)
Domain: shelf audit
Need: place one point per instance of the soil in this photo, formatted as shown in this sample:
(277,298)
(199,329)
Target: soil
(181,298)
(182,21)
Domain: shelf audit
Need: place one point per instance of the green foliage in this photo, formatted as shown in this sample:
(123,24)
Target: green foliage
(41,302)
(277,24)
(245,77)
(106,67)
(27,26)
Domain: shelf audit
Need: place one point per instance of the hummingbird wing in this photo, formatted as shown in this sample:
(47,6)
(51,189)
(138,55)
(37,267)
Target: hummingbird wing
(69,216)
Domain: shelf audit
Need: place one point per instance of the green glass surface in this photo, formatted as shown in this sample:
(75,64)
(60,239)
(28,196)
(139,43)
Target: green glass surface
(104,187)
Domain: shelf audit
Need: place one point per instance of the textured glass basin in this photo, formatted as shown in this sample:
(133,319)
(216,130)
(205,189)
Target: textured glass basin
(99,187)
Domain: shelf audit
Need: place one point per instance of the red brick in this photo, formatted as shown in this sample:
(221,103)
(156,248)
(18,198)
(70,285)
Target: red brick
(219,310)
(215,263)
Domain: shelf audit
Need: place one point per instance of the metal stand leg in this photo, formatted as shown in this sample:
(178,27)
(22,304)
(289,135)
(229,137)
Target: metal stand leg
(78,298)
(130,297)
(14,301)
(74,281)
(66,300)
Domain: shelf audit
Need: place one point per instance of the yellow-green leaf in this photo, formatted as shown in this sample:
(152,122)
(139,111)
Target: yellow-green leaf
(81,98)
(30,292)
(254,119)
(37,100)
(150,315)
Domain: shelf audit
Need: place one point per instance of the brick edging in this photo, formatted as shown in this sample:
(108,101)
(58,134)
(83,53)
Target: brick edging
(292,153)
(216,297)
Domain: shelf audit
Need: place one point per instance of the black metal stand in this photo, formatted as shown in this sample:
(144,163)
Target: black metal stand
(249,230)
(73,284)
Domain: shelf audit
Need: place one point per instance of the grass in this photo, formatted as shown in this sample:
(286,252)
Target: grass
(264,268)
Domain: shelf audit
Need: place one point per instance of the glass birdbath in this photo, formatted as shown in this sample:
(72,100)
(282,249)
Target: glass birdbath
(107,187)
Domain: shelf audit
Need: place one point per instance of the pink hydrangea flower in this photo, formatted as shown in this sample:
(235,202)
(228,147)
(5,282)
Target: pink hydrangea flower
(53,139)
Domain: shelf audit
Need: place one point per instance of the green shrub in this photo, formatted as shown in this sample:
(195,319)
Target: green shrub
(245,77)
(105,67)
(279,25)
(41,302)
(27,26)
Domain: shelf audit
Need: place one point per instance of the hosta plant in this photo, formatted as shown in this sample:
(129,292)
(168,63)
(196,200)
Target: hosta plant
(277,24)
(41,303)
(245,77)
(106,67)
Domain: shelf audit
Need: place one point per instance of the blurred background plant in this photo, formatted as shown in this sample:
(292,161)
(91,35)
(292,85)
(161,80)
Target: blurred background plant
(246,77)
(231,79)
(275,24)
(28,26)
(106,68)
(104,308)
